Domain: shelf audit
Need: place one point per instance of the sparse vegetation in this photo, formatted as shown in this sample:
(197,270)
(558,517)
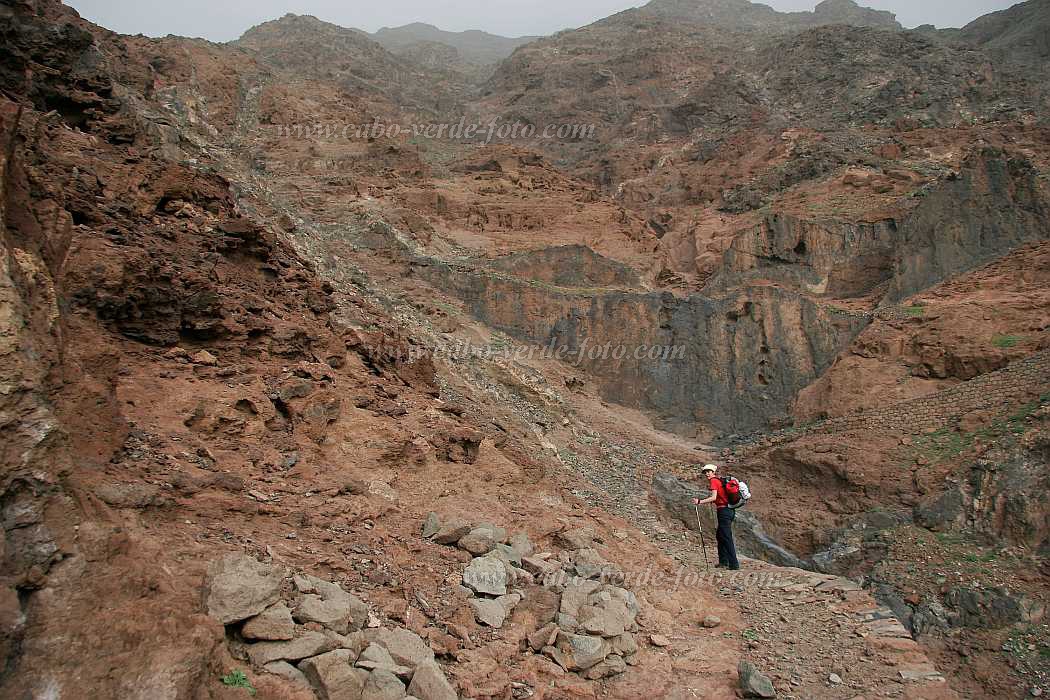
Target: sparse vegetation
(237,679)
(1007,341)
(948,443)
(915,311)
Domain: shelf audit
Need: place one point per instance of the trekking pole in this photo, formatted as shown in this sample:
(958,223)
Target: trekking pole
(703,545)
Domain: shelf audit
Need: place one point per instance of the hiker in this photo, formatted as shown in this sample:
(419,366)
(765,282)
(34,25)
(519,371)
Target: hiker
(726,516)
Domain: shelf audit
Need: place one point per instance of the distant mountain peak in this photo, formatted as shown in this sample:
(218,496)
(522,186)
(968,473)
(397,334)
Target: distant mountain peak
(742,14)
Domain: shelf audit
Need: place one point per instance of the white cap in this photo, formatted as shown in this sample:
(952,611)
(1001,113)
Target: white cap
(709,468)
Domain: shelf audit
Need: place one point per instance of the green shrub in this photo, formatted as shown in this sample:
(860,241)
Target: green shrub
(237,679)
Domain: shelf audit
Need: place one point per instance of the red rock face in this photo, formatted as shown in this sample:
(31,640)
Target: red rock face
(229,324)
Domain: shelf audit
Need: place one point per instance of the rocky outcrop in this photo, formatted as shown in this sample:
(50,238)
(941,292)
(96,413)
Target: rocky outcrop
(734,363)
(818,258)
(1002,495)
(567,266)
(995,204)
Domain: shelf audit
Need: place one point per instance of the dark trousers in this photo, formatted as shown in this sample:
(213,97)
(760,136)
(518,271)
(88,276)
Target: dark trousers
(724,535)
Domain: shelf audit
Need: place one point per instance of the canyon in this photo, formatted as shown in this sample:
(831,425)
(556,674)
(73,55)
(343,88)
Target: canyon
(281,399)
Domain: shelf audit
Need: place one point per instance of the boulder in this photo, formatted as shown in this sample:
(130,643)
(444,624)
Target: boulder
(576,594)
(508,554)
(238,587)
(383,685)
(310,644)
(478,541)
(452,531)
(754,684)
(521,544)
(429,683)
(273,624)
(486,575)
(431,526)
(608,612)
(328,604)
(331,614)
(489,612)
(544,637)
(589,564)
(498,533)
(541,568)
(332,676)
(376,657)
(613,665)
(406,648)
(288,672)
(578,652)
(624,645)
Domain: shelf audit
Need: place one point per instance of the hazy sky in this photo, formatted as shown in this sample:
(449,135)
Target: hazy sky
(222,20)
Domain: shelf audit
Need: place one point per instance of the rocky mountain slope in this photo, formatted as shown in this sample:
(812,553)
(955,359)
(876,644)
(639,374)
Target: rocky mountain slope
(743,14)
(327,415)
(474,46)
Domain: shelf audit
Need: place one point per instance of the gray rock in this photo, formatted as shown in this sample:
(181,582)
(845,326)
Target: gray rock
(429,683)
(376,657)
(489,612)
(625,645)
(992,608)
(498,533)
(332,676)
(478,541)
(332,607)
(431,526)
(310,644)
(406,648)
(579,652)
(753,683)
(544,637)
(941,513)
(238,587)
(589,564)
(508,553)
(383,685)
(486,575)
(576,594)
(541,568)
(272,624)
(608,612)
(452,531)
(521,544)
(613,665)
(313,608)
(288,672)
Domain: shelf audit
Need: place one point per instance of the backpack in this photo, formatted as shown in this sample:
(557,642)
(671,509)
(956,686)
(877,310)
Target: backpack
(737,491)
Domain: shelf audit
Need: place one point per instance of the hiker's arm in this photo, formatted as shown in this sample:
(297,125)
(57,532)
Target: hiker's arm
(710,499)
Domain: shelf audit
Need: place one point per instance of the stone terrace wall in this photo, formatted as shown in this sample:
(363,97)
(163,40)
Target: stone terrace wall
(994,390)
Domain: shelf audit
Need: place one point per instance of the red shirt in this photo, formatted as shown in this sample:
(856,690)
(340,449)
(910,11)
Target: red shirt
(722,500)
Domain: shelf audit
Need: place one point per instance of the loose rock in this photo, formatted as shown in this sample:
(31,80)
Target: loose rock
(753,683)
(239,587)
(273,624)
(310,644)
(429,683)
(486,575)
(332,676)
